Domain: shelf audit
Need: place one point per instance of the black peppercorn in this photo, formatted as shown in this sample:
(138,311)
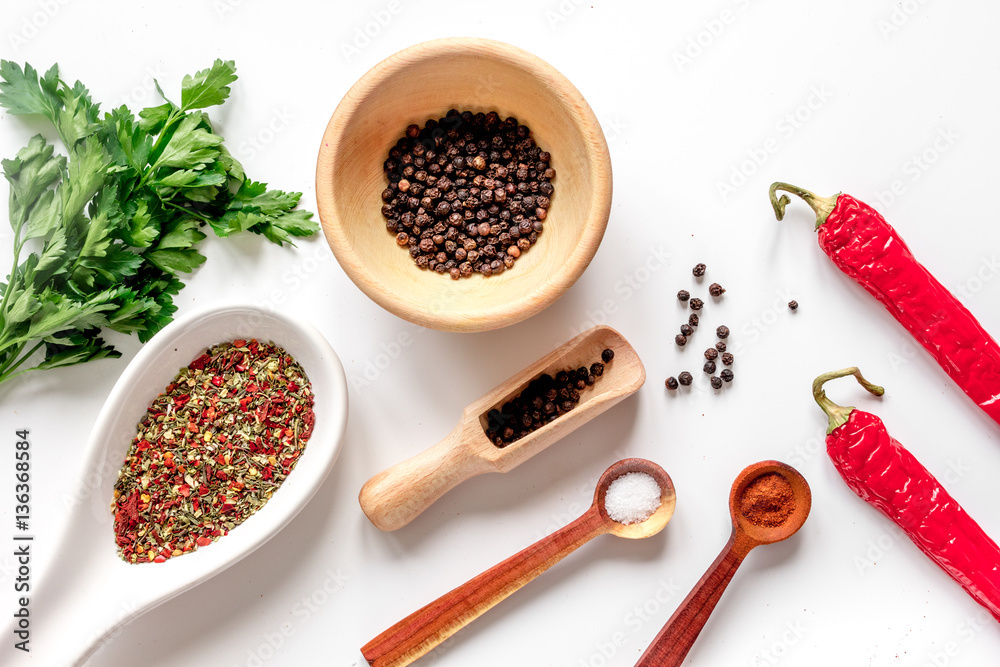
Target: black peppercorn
(793,304)
(597,369)
(685,378)
(722,331)
(681,340)
(726,375)
(686,329)
(716,382)
(671,383)
(709,367)
(683,295)
(482,187)
(607,355)
(715,289)
(698,270)
(711,354)
(720,346)
(727,358)
(696,304)
(693,319)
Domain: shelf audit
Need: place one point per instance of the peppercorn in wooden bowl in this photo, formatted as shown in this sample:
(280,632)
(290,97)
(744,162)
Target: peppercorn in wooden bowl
(424,82)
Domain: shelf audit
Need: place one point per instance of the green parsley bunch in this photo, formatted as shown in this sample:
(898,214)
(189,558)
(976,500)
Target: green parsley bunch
(118,220)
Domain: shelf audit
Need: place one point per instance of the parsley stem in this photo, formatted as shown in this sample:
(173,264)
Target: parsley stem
(171,119)
(8,373)
(13,275)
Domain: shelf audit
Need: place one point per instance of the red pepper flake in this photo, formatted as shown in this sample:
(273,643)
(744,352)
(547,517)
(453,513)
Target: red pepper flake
(218,381)
(200,363)
(203,541)
(184,490)
(239,342)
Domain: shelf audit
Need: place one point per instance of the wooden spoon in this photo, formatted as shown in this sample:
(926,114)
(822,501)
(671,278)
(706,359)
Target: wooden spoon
(424,629)
(394,497)
(680,632)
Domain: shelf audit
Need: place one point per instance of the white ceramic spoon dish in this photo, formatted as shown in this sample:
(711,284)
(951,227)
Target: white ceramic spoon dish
(89,591)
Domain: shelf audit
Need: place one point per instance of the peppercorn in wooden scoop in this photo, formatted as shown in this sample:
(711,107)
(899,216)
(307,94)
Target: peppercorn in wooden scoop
(768,503)
(394,497)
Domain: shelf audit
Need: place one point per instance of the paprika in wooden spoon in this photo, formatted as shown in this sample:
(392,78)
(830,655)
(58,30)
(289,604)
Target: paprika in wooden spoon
(883,473)
(768,503)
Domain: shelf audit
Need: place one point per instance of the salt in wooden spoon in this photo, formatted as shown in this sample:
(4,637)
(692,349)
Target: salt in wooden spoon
(421,631)
(677,637)
(394,497)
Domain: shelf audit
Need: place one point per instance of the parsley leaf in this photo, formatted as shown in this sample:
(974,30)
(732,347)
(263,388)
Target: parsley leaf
(208,87)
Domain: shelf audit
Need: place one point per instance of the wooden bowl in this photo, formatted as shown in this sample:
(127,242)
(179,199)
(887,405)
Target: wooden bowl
(424,82)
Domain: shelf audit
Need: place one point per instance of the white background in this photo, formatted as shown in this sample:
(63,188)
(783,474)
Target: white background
(845,95)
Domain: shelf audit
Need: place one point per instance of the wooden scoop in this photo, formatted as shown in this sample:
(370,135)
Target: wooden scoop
(424,629)
(682,629)
(394,497)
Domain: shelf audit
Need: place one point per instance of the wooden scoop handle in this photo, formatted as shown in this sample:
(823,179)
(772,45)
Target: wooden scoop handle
(397,495)
(682,629)
(424,629)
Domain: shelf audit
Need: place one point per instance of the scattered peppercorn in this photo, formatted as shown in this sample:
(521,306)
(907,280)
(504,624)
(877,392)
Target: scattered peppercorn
(681,340)
(715,289)
(709,367)
(696,304)
(693,319)
(716,382)
(671,383)
(597,369)
(698,270)
(722,331)
(685,378)
(607,355)
(720,346)
(726,375)
(727,358)
(711,354)
(467,193)
(686,329)
(793,304)
(683,295)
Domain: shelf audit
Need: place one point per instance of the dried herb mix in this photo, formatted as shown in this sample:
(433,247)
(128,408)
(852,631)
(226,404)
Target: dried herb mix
(211,450)
(543,400)
(467,193)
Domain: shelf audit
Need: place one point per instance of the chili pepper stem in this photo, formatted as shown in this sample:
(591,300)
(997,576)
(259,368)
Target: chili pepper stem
(838,414)
(822,206)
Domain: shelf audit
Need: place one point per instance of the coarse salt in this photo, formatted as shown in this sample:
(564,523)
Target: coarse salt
(632,498)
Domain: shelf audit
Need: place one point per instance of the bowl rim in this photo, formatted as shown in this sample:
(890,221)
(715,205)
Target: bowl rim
(522,306)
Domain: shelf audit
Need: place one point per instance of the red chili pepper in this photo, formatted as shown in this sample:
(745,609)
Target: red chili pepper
(883,473)
(864,246)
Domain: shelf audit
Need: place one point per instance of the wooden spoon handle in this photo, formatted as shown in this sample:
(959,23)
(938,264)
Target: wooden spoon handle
(680,632)
(424,629)
(397,495)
